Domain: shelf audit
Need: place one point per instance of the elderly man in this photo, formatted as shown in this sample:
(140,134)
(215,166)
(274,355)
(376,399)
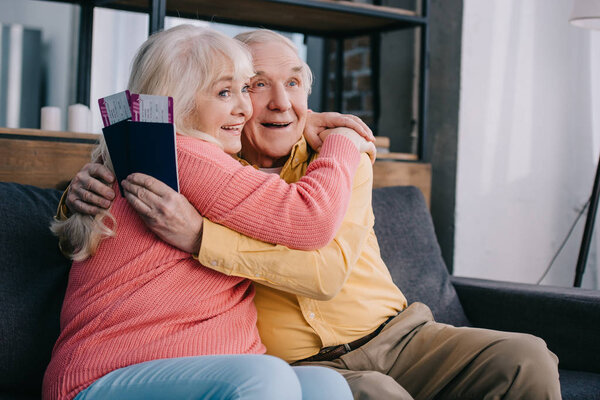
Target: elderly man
(336,306)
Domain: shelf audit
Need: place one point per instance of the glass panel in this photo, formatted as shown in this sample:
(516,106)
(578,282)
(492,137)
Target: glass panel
(117,36)
(38,58)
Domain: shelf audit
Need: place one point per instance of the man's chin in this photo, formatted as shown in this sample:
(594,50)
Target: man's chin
(276,149)
(270,143)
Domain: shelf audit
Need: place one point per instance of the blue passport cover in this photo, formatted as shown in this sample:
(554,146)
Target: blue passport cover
(146,147)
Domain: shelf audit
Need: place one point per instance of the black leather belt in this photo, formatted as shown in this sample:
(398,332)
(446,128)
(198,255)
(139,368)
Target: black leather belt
(333,352)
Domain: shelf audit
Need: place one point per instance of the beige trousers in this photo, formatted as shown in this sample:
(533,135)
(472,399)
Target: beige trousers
(414,357)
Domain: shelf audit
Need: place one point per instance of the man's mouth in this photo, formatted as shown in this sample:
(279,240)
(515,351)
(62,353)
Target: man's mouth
(276,124)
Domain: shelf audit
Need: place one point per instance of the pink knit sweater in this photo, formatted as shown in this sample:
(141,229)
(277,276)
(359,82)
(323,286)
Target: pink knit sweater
(139,299)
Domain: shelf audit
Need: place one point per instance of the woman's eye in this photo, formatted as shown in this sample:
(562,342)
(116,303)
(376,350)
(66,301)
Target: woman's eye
(224,93)
(246,89)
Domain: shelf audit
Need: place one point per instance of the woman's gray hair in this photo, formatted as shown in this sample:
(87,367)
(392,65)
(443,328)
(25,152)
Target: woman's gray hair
(268,36)
(80,234)
(183,60)
(178,62)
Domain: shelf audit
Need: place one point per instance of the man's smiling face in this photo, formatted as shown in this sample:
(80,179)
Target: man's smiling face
(279,99)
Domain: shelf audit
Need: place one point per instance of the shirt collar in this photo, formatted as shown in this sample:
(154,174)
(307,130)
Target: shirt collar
(299,155)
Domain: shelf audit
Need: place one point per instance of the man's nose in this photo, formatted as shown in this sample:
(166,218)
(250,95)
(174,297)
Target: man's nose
(280,99)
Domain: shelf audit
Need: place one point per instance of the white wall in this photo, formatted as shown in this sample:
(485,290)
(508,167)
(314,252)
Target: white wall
(529,138)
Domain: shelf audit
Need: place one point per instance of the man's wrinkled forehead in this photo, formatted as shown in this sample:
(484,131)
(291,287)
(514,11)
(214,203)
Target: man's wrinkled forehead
(295,71)
(278,60)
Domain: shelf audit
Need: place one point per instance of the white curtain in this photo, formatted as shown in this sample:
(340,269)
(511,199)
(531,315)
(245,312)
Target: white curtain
(529,140)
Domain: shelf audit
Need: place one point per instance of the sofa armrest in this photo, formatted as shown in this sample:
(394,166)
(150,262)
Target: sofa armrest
(568,319)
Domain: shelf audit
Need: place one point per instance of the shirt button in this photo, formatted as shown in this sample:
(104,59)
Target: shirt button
(213,263)
(311,315)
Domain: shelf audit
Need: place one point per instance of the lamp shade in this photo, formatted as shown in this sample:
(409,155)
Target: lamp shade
(586,14)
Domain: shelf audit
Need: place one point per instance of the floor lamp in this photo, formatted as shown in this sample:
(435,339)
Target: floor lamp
(586,14)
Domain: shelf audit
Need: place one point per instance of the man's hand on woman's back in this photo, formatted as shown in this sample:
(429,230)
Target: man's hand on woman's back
(316,123)
(164,211)
(91,190)
(362,145)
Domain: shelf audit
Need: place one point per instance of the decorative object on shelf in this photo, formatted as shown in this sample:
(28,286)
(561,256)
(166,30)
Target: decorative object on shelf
(20,76)
(586,14)
(50,119)
(79,118)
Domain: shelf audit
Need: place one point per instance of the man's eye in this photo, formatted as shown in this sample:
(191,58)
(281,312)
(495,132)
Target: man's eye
(293,83)
(259,84)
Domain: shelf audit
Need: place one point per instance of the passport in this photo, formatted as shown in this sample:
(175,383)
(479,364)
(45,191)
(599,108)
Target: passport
(146,147)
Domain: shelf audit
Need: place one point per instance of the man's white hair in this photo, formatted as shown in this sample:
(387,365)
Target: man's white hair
(268,36)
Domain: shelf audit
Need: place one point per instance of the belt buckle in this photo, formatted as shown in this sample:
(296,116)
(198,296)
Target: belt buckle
(326,349)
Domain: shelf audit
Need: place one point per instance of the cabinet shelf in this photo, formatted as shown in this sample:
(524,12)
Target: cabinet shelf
(333,19)
(51,158)
(329,18)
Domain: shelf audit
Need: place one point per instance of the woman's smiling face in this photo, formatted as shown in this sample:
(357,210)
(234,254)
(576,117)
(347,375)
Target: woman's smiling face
(223,109)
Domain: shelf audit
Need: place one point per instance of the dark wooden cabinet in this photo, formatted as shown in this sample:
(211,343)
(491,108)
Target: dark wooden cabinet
(331,19)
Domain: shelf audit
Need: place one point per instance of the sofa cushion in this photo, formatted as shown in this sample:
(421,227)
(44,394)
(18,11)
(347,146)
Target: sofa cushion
(33,278)
(411,252)
(577,385)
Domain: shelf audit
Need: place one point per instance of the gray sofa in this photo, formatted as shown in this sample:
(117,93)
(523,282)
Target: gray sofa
(33,277)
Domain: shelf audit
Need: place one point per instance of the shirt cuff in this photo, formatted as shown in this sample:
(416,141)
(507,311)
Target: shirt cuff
(218,247)
(63,212)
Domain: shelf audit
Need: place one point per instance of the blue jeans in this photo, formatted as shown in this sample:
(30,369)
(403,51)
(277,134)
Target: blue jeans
(244,376)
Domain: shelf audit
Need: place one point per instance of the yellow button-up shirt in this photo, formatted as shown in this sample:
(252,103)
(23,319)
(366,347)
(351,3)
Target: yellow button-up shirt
(307,300)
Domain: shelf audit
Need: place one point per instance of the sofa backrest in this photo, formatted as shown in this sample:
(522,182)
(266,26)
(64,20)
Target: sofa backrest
(33,274)
(411,252)
(33,277)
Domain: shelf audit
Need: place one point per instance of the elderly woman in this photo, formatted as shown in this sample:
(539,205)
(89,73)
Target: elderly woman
(142,319)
